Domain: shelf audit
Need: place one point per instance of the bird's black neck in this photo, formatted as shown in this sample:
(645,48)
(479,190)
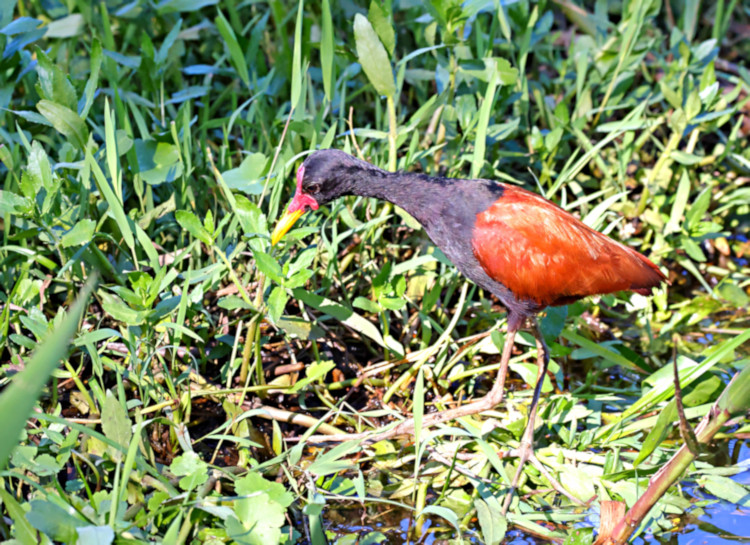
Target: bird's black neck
(415,193)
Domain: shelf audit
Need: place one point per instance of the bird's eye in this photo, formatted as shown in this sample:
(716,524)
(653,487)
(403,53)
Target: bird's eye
(313,188)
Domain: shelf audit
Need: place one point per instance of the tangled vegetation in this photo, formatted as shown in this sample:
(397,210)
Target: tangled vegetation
(146,149)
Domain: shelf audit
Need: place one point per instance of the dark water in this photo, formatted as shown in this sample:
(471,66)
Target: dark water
(722,522)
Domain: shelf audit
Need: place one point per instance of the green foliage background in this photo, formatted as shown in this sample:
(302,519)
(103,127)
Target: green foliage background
(156,142)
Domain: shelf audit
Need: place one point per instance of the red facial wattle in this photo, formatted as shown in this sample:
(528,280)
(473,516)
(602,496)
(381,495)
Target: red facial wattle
(301,199)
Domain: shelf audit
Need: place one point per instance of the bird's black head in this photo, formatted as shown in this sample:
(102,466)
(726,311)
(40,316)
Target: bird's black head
(326,175)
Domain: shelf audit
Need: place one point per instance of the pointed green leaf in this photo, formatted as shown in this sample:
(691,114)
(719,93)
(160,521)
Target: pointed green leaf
(373,57)
(53,82)
(81,233)
(116,424)
(297,74)
(18,399)
(380,20)
(65,121)
(236,54)
(276,303)
(326,49)
(192,225)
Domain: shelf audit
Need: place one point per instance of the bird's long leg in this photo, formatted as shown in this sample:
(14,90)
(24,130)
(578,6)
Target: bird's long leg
(490,400)
(526,449)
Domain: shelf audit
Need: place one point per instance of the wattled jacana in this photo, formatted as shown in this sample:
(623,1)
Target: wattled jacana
(522,248)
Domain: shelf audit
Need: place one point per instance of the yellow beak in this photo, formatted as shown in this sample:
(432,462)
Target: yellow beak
(285,223)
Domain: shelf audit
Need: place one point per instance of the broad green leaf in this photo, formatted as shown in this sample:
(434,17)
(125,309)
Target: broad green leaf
(726,489)
(687,159)
(299,327)
(276,303)
(38,173)
(117,309)
(491,521)
(735,398)
(252,219)
(373,57)
(529,372)
(299,279)
(692,249)
(246,177)
(6,13)
(580,536)
(158,162)
(268,266)
(259,513)
(208,223)
(116,424)
(192,225)
(392,303)
(55,522)
(365,304)
(733,293)
(95,535)
(554,321)
(507,75)
(81,233)
(692,105)
(53,83)
(191,468)
(66,27)
(442,512)
(65,121)
(10,203)
(578,482)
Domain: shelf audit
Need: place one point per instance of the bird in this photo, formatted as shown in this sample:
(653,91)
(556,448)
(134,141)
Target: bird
(515,244)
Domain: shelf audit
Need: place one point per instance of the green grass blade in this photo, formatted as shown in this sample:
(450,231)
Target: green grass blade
(326,50)
(115,205)
(297,74)
(19,398)
(236,54)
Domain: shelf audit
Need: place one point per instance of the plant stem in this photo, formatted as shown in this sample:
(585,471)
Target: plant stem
(250,338)
(733,400)
(392,126)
